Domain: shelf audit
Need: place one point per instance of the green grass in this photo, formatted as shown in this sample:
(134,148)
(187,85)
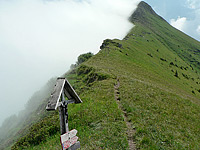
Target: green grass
(52,143)
(159,91)
(98,120)
(162,120)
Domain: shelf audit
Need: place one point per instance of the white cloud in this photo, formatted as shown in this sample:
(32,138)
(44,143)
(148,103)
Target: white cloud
(193,4)
(179,23)
(193,18)
(40,39)
(198,29)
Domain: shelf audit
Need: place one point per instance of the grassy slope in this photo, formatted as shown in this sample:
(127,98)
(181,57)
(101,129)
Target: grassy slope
(163,109)
(17,126)
(98,120)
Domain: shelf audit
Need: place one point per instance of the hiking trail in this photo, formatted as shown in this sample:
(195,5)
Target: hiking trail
(130,131)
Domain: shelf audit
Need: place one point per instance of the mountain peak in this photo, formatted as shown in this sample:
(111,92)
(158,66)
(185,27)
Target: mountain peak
(143,13)
(144,5)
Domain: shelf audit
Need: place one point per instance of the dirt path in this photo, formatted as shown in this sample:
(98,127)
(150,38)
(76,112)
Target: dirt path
(130,130)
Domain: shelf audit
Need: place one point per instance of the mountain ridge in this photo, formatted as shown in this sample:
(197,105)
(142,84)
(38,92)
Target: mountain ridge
(144,90)
(148,20)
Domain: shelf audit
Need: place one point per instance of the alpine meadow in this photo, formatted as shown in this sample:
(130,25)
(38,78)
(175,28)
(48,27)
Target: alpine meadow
(142,92)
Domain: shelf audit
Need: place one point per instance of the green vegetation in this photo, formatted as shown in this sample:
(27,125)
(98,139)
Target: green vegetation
(162,119)
(39,132)
(82,58)
(17,126)
(98,120)
(156,69)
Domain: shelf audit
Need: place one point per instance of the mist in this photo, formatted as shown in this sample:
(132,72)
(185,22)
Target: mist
(40,39)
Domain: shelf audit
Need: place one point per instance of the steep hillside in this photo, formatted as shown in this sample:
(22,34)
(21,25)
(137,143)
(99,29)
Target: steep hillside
(186,47)
(17,125)
(140,92)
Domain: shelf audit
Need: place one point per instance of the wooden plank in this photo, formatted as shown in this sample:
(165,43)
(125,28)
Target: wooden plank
(62,84)
(70,93)
(55,96)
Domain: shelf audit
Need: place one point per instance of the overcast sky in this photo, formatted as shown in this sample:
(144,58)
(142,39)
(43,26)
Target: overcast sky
(40,39)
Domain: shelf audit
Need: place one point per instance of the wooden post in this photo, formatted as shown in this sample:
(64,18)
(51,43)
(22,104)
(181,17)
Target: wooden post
(62,120)
(66,111)
(62,89)
(63,115)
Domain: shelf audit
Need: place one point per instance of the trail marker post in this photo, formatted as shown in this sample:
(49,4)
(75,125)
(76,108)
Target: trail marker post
(57,100)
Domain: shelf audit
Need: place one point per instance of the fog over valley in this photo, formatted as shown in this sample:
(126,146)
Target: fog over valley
(41,39)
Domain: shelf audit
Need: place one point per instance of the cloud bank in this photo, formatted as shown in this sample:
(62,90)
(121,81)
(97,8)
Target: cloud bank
(42,38)
(179,23)
(189,25)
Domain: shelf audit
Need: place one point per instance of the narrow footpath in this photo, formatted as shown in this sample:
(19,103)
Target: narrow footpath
(130,130)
